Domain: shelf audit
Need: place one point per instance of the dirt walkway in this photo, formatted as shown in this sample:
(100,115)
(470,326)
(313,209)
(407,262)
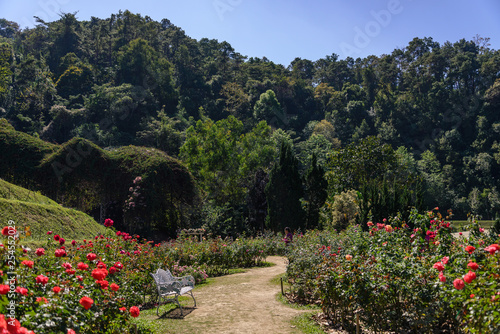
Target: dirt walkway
(242,303)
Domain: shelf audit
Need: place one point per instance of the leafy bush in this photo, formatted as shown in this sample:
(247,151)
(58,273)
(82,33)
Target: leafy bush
(401,279)
(97,285)
(342,211)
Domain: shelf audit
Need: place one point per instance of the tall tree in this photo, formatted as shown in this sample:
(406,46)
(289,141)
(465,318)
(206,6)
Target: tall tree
(316,194)
(284,192)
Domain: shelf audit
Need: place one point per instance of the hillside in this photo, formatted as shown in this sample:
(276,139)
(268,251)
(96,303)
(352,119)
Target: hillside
(129,80)
(41,214)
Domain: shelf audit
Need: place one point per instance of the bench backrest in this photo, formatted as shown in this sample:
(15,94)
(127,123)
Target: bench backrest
(165,276)
(165,282)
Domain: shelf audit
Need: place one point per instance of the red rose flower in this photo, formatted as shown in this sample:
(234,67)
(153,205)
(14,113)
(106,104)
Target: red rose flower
(134,311)
(108,222)
(3,323)
(86,302)
(112,270)
(70,331)
(492,248)
(470,276)
(439,266)
(473,265)
(56,237)
(70,271)
(458,284)
(67,265)
(22,291)
(82,266)
(56,289)
(13,326)
(73,242)
(91,256)
(445,259)
(42,279)
(99,274)
(101,265)
(470,249)
(62,241)
(8,230)
(123,309)
(80,278)
(4,289)
(118,265)
(28,263)
(104,284)
(442,278)
(40,251)
(114,287)
(60,253)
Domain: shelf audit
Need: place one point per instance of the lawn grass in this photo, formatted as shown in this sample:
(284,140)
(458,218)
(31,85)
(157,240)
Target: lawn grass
(306,324)
(169,319)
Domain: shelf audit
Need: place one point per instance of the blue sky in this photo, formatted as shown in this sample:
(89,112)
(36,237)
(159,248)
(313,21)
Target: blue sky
(284,29)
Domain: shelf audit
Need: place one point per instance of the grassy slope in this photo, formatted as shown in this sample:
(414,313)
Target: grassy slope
(13,192)
(41,214)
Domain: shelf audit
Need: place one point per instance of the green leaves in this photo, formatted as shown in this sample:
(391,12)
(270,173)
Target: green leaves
(284,192)
(224,158)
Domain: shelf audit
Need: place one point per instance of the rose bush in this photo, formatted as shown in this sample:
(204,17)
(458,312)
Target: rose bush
(97,285)
(401,279)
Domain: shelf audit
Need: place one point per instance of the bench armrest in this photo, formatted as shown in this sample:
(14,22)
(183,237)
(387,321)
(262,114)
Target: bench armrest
(169,287)
(187,280)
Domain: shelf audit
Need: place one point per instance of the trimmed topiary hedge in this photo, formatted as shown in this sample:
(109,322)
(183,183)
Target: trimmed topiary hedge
(143,189)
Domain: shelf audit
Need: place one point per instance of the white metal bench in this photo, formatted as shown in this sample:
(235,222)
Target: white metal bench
(171,287)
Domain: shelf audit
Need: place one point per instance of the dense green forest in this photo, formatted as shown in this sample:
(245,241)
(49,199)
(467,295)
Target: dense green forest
(314,143)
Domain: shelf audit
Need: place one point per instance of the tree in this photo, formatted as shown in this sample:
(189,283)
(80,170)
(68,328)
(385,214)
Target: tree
(164,133)
(236,101)
(5,63)
(66,38)
(284,192)
(351,166)
(316,192)
(224,158)
(257,202)
(135,62)
(269,109)
(8,29)
(302,69)
(76,79)
(431,171)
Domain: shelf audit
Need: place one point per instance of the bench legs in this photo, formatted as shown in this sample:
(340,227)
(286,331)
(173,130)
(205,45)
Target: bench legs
(191,292)
(174,300)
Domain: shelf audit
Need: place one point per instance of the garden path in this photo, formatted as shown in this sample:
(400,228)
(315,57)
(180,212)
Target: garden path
(243,303)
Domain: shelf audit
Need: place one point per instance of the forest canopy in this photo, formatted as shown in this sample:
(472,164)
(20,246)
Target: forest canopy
(432,110)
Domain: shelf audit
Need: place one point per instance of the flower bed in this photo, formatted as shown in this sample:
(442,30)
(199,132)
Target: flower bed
(98,285)
(401,279)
